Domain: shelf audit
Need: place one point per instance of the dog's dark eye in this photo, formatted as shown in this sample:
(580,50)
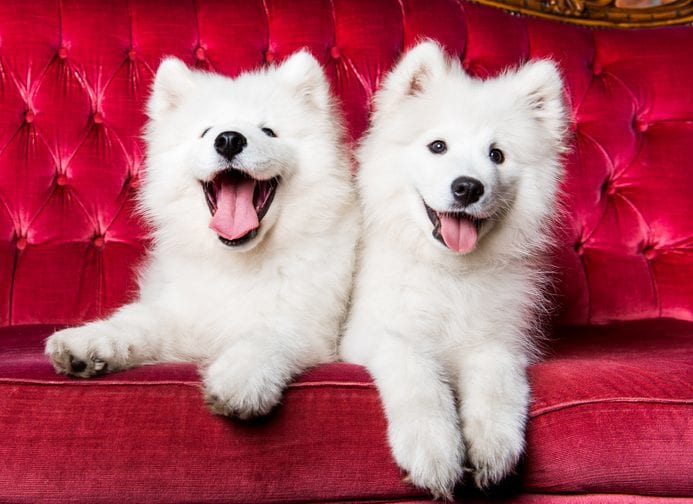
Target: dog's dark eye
(437,147)
(496,155)
(269,132)
(205,132)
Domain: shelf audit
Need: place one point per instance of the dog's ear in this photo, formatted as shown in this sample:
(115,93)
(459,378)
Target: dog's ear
(173,80)
(539,86)
(413,74)
(302,72)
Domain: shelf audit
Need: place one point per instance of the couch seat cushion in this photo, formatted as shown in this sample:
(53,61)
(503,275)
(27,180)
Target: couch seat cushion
(612,413)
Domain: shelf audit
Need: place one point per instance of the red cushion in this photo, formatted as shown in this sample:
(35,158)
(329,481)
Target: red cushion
(612,413)
(74,77)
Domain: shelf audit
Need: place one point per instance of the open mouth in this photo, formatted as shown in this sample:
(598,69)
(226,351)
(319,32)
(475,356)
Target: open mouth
(238,203)
(459,231)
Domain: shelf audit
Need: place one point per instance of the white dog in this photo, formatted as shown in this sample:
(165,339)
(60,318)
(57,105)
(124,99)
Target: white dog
(254,221)
(458,183)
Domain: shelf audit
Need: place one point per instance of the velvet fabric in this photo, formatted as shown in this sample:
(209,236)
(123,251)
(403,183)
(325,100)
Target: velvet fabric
(75,75)
(611,419)
(611,414)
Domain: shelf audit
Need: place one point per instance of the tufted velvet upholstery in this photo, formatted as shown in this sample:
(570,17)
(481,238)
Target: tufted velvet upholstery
(74,76)
(612,405)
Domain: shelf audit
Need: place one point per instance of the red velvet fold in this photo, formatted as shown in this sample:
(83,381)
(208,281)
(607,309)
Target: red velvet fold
(611,413)
(75,77)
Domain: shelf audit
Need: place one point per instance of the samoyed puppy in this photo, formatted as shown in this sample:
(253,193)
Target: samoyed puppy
(458,182)
(254,220)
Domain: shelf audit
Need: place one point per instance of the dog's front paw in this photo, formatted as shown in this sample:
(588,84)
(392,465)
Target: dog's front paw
(232,389)
(84,351)
(494,450)
(431,453)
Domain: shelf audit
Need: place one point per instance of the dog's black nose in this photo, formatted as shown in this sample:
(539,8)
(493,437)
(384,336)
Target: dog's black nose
(467,190)
(230,143)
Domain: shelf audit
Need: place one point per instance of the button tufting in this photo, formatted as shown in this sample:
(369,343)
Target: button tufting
(21,243)
(609,187)
(28,117)
(134,182)
(335,53)
(270,56)
(649,252)
(200,53)
(98,118)
(640,124)
(61,180)
(597,69)
(132,54)
(579,247)
(98,241)
(62,52)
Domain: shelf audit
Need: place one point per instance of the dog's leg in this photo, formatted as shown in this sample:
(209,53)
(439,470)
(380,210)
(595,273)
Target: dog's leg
(494,397)
(132,336)
(423,425)
(249,377)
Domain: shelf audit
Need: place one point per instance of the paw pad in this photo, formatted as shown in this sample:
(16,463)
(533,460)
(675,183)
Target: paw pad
(77,365)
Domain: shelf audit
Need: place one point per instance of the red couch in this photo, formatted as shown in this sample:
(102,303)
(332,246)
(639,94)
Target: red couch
(612,417)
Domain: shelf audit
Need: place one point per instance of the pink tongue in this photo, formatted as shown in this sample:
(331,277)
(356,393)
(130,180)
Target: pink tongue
(235,215)
(459,234)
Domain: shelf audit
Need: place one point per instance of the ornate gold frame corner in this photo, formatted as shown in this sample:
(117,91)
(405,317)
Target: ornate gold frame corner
(604,13)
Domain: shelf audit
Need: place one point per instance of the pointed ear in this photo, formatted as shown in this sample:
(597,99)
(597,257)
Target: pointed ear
(302,72)
(173,80)
(413,74)
(540,87)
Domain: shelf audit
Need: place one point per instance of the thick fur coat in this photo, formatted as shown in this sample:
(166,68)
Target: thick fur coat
(458,181)
(248,193)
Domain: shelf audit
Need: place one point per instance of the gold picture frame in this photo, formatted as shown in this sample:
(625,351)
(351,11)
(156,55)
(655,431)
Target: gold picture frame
(607,13)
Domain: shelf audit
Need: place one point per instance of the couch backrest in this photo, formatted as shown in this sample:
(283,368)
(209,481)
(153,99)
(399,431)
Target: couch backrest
(74,75)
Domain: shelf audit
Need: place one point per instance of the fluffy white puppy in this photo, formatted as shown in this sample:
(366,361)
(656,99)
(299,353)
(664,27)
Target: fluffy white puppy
(458,182)
(248,192)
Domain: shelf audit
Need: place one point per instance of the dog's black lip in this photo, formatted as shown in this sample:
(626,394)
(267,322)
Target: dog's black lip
(210,199)
(273,183)
(239,241)
(208,190)
(435,220)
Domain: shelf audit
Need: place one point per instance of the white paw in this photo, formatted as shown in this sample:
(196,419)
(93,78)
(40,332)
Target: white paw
(238,390)
(430,450)
(85,351)
(494,449)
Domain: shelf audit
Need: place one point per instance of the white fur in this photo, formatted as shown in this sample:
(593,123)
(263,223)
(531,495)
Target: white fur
(254,315)
(447,336)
